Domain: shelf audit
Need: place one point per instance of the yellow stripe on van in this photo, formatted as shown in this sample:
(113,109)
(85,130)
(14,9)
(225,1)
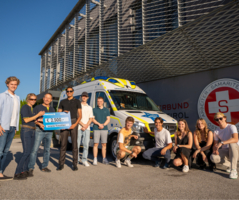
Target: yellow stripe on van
(114,108)
(123,81)
(117,120)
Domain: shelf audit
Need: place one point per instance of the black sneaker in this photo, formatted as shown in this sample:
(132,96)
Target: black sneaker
(46,170)
(75,168)
(5,178)
(30,173)
(61,167)
(213,168)
(20,176)
(203,166)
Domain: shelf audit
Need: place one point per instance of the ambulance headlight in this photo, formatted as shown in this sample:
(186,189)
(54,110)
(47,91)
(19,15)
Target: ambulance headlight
(138,127)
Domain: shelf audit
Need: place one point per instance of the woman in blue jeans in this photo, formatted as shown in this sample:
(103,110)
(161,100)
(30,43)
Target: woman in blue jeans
(27,135)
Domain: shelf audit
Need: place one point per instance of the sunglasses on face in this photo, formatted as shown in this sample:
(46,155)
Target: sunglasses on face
(32,99)
(69,91)
(218,119)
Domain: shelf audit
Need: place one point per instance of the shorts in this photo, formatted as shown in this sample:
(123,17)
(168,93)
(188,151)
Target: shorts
(100,135)
(126,153)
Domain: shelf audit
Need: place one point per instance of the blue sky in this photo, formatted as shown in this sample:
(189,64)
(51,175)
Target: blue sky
(26,26)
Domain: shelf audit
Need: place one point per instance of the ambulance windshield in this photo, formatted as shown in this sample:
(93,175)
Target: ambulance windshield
(125,100)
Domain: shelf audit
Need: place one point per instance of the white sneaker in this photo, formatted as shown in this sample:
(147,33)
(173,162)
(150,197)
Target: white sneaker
(95,161)
(86,164)
(185,168)
(128,163)
(233,174)
(118,164)
(228,170)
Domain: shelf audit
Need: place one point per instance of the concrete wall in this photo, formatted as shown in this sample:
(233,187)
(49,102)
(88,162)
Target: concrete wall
(178,96)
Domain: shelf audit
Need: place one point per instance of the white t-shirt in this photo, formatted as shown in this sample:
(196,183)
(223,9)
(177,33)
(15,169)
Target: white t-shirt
(87,113)
(162,138)
(225,134)
(14,111)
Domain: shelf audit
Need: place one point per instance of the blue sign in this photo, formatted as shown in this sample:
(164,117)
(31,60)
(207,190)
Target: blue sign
(56,121)
(151,116)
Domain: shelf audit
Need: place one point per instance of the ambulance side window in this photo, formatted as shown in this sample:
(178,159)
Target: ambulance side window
(106,101)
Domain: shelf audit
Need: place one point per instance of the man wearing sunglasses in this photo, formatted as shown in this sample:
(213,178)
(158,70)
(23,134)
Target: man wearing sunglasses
(9,120)
(73,106)
(41,135)
(225,144)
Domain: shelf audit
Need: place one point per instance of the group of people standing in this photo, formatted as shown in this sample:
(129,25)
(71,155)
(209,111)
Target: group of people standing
(208,146)
(33,133)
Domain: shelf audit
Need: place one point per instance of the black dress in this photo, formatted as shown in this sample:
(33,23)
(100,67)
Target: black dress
(185,151)
(208,153)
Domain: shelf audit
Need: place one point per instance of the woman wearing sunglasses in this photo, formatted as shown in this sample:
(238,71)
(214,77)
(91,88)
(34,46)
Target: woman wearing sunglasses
(203,139)
(27,135)
(225,144)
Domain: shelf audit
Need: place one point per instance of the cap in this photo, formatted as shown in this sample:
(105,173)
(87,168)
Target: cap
(84,94)
(215,158)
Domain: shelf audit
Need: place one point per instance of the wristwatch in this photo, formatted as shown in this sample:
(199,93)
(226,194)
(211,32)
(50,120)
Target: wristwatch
(177,145)
(222,142)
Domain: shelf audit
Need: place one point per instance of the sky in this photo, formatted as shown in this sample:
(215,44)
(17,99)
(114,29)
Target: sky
(26,26)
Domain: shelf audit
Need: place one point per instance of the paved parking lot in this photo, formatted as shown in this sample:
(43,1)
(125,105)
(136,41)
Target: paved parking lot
(108,182)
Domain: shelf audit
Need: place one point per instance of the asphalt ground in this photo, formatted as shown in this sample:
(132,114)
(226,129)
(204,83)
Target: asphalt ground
(143,181)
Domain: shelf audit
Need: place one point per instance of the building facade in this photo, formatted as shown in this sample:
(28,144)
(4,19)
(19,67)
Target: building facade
(96,32)
(171,48)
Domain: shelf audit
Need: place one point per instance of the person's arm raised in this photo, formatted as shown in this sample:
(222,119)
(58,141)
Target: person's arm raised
(29,119)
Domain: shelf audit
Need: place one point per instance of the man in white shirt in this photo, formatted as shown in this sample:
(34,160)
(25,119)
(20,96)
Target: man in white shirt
(163,144)
(9,120)
(225,144)
(84,128)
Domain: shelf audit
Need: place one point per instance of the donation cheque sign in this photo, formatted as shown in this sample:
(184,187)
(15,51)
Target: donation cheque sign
(56,121)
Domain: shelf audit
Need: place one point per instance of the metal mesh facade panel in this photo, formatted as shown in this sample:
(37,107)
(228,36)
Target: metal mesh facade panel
(142,40)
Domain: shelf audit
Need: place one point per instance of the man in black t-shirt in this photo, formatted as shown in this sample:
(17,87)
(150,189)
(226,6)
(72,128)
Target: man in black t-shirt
(41,135)
(73,106)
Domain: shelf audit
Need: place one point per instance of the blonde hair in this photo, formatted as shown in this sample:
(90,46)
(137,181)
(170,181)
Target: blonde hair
(205,130)
(12,78)
(179,133)
(219,113)
(29,95)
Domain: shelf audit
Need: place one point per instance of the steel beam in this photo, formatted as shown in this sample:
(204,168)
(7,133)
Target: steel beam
(46,71)
(119,22)
(87,25)
(66,54)
(41,89)
(143,21)
(101,21)
(179,13)
(75,44)
(58,45)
